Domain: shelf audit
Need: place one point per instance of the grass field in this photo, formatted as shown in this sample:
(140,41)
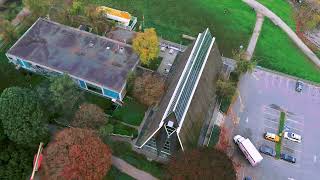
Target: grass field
(131,112)
(277,52)
(283,9)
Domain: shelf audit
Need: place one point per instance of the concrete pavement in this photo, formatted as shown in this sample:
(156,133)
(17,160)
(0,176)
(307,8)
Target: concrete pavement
(279,22)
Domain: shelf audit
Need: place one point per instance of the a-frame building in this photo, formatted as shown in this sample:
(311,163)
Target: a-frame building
(175,124)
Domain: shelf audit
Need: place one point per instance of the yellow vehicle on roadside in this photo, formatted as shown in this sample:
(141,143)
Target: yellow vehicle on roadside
(271,137)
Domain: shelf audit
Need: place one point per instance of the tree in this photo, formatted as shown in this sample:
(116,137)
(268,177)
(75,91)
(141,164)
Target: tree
(146,45)
(244,66)
(226,88)
(89,116)
(22,117)
(308,15)
(76,154)
(38,7)
(7,31)
(148,88)
(15,161)
(130,82)
(201,164)
(65,95)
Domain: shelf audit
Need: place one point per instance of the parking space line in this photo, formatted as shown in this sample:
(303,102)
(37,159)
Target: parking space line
(274,115)
(271,127)
(294,121)
(299,151)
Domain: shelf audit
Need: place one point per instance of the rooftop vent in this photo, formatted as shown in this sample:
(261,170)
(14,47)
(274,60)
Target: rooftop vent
(121,50)
(91,44)
(107,48)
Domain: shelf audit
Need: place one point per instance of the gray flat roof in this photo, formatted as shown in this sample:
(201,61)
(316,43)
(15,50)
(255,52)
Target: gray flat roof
(84,55)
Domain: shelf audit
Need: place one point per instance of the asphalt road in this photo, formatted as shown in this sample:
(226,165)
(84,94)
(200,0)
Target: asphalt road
(257,110)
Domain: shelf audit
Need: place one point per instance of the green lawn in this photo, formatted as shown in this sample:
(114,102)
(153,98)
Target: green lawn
(115,174)
(174,18)
(121,129)
(282,9)
(277,52)
(123,151)
(131,112)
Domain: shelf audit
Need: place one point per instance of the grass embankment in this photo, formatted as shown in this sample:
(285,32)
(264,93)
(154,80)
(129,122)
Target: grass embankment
(123,150)
(280,130)
(131,112)
(282,9)
(214,136)
(276,51)
(115,174)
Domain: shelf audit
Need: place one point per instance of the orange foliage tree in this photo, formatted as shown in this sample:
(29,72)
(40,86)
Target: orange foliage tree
(76,154)
(89,116)
(148,88)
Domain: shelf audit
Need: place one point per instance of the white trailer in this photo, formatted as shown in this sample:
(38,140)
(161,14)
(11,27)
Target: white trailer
(248,149)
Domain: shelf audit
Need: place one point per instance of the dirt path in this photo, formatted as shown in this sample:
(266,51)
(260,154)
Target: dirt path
(254,37)
(277,21)
(130,170)
(20,16)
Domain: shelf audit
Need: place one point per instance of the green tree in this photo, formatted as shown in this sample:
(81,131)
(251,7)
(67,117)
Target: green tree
(15,161)
(146,45)
(244,66)
(22,117)
(64,95)
(226,88)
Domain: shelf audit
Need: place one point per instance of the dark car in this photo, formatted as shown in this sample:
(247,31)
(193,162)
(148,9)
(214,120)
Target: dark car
(299,86)
(267,150)
(288,158)
(247,178)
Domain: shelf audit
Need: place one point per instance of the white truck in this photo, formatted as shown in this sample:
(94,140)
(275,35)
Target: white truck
(248,149)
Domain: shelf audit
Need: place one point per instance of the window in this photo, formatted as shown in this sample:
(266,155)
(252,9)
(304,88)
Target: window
(109,93)
(94,88)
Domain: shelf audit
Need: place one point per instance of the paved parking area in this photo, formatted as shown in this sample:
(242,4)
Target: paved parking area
(262,96)
(167,60)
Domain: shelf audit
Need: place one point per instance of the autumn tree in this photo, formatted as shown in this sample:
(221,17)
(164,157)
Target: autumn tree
(148,88)
(146,45)
(89,116)
(308,15)
(38,7)
(201,164)
(76,154)
(22,117)
(7,31)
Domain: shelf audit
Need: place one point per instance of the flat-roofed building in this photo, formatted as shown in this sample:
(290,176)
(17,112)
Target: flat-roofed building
(179,118)
(96,63)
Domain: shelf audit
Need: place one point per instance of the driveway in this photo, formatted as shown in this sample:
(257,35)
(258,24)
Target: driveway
(263,95)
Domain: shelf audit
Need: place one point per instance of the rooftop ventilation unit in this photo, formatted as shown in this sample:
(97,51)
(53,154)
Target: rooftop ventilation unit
(107,48)
(91,44)
(121,50)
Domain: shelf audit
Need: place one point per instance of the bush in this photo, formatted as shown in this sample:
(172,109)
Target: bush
(214,136)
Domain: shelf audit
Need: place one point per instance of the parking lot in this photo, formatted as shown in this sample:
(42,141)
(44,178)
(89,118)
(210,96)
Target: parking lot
(262,96)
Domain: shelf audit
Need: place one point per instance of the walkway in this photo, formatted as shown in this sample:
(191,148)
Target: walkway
(254,37)
(277,21)
(131,170)
(20,16)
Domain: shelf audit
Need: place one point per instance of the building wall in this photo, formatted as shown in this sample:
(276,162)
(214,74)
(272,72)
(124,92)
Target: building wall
(83,84)
(203,97)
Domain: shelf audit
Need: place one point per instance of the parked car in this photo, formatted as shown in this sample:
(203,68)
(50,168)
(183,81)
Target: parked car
(267,150)
(288,158)
(299,86)
(247,178)
(271,137)
(292,136)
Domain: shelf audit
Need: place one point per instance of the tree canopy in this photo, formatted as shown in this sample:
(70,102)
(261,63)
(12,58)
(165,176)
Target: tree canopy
(146,45)
(89,116)
(22,117)
(226,88)
(64,94)
(148,88)
(76,154)
(202,164)
(15,161)
(7,31)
